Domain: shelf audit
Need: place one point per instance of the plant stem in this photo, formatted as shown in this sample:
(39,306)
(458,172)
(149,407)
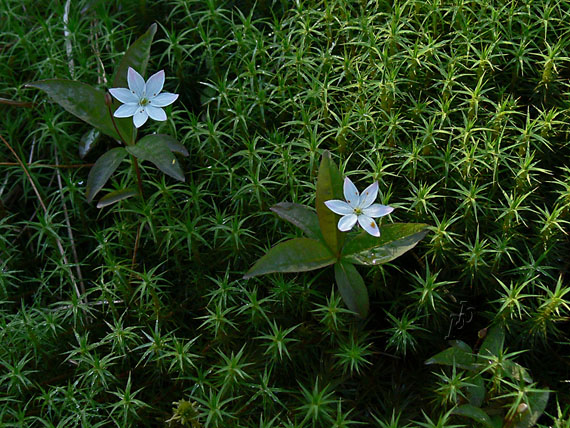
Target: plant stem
(139,180)
(114,124)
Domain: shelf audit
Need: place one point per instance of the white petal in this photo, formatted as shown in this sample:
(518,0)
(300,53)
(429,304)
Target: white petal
(124,95)
(163,100)
(154,84)
(126,110)
(136,83)
(369,225)
(155,113)
(347,222)
(350,193)
(339,207)
(368,196)
(377,210)
(140,117)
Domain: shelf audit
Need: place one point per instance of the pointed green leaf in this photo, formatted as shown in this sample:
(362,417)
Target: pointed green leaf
(516,372)
(352,288)
(456,355)
(102,170)
(536,402)
(476,391)
(301,216)
(295,255)
(395,240)
(116,196)
(154,148)
(84,102)
(136,57)
(176,147)
(493,344)
(329,186)
(88,141)
(474,413)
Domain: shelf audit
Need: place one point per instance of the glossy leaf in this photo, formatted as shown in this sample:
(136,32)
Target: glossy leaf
(116,196)
(154,148)
(476,391)
(295,255)
(176,147)
(474,413)
(84,102)
(516,372)
(329,186)
(136,57)
(88,141)
(457,355)
(301,216)
(352,288)
(536,405)
(493,344)
(102,170)
(395,240)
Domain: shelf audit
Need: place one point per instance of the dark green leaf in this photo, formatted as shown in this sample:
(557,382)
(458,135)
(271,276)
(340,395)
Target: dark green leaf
(176,147)
(116,196)
(352,288)
(88,141)
(154,148)
(494,340)
(301,216)
(102,170)
(395,240)
(329,186)
(537,401)
(136,57)
(476,391)
(84,102)
(474,413)
(295,255)
(516,372)
(456,355)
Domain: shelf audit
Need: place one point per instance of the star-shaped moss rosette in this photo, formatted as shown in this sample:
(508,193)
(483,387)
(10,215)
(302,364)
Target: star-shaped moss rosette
(326,245)
(96,107)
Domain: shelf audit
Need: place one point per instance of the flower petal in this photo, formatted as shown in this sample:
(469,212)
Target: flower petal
(163,100)
(124,95)
(155,113)
(136,83)
(368,196)
(154,84)
(350,193)
(339,207)
(369,225)
(126,110)
(347,222)
(377,210)
(140,117)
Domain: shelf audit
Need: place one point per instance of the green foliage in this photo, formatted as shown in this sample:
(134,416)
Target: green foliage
(305,254)
(458,109)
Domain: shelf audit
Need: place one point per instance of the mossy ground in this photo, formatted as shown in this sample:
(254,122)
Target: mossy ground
(459,109)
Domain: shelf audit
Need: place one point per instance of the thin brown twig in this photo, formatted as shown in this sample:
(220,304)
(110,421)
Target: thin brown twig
(43,205)
(137,239)
(69,230)
(44,165)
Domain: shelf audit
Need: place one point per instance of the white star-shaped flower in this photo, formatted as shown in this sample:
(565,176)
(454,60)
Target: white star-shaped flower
(143,100)
(359,208)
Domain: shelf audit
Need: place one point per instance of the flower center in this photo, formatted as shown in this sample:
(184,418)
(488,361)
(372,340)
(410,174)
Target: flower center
(357,211)
(144,101)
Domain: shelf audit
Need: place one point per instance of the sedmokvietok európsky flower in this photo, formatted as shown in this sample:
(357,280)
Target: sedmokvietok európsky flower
(359,208)
(143,100)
